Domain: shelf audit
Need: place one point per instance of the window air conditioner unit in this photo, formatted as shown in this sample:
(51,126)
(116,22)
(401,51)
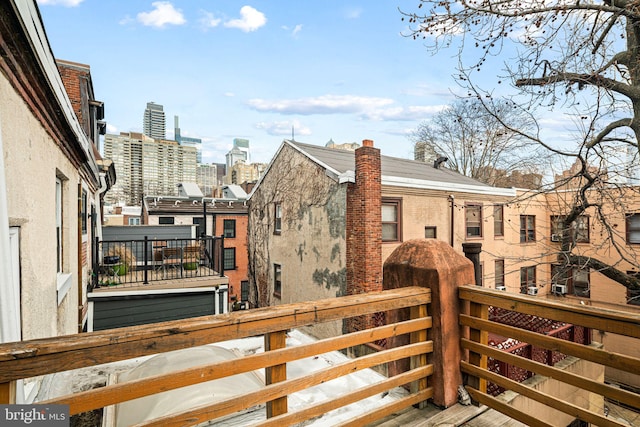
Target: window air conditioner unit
(501,288)
(559,289)
(532,290)
(556,237)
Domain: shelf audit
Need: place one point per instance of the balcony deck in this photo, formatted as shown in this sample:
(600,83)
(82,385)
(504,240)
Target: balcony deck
(206,277)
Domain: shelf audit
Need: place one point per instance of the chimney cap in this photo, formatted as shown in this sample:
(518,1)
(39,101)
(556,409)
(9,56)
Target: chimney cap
(367,143)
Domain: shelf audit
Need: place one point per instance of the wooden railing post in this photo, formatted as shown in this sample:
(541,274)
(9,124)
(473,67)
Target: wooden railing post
(479,311)
(420,360)
(276,373)
(433,264)
(8,393)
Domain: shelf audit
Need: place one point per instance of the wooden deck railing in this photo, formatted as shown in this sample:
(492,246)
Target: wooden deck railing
(476,319)
(45,356)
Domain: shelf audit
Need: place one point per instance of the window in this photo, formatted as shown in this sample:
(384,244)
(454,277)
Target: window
(277,280)
(391,219)
(165,220)
(633,228)
(527,278)
(430,232)
(59,224)
(229,228)
(244,290)
(580,283)
(473,220)
(527,228)
(498,220)
(278,219)
(229,258)
(197,221)
(580,228)
(576,280)
(83,212)
(134,221)
(499,272)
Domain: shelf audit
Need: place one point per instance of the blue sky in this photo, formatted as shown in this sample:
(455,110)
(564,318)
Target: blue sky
(331,69)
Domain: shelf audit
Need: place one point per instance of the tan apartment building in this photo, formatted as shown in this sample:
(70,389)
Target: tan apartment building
(147,166)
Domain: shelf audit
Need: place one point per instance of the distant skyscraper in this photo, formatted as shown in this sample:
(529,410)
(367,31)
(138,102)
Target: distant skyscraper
(145,166)
(242,145)
(153,123)
(185,140)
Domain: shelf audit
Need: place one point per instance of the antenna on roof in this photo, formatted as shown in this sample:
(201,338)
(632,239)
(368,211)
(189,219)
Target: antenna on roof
(292,134)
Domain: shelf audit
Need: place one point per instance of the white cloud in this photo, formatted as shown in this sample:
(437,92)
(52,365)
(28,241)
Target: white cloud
(111,129)
(326,104)
(229,94)
(209,20)
(251,19)
(67,3)
(414,112)
(353,13)
(294,31)
(284,128)
(163,14)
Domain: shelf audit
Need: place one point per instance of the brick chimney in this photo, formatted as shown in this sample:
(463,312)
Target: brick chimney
(364,229)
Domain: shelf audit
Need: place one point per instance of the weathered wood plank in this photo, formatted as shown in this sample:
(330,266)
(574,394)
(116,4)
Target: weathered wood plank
(274,391)
(505,408)
(8,392)
(417,312)
(614,321)
(614,393)
(76,351)
(104,396)
(347,399)
(607,358)
(276,373)
(481,336)
(544,398)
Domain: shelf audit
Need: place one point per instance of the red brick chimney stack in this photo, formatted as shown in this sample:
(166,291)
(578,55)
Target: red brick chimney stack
(364,227)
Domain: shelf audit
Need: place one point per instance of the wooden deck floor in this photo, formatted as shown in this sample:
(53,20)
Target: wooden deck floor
(456,415)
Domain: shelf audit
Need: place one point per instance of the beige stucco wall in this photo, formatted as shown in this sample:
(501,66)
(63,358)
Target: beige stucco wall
(182,220)
(32,162)
(311,245)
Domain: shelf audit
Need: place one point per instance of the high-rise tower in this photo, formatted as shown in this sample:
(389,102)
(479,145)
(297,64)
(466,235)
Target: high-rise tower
(153,123)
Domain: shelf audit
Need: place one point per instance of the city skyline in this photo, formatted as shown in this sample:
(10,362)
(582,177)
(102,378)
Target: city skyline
(319,70)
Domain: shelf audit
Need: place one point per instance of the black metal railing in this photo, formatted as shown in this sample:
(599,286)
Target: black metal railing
(122,262)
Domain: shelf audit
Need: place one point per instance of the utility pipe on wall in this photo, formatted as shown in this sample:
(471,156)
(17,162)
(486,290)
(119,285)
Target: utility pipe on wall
(451,235)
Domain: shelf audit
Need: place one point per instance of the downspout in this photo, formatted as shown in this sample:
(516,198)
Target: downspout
(451,199)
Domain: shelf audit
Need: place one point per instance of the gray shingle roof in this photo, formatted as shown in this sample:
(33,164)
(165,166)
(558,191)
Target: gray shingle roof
(392,167)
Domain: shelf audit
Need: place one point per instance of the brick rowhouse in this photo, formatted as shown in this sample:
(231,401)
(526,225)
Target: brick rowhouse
(364,229)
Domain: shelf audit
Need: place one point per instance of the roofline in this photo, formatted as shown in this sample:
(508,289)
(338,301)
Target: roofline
(394,181)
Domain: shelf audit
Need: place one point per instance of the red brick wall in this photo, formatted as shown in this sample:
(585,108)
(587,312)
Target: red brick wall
(75,83)
(364,229)
(242,256)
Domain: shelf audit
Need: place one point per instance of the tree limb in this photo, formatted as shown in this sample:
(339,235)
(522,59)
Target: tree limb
(607,270)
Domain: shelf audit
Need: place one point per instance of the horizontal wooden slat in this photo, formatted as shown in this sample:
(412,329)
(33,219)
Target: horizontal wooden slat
(505,408)
(284,388)
(44,356)
(607,358)
(104,396)
(544,398)
(389,408)
(347,399)
(614,393)
(614,321)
